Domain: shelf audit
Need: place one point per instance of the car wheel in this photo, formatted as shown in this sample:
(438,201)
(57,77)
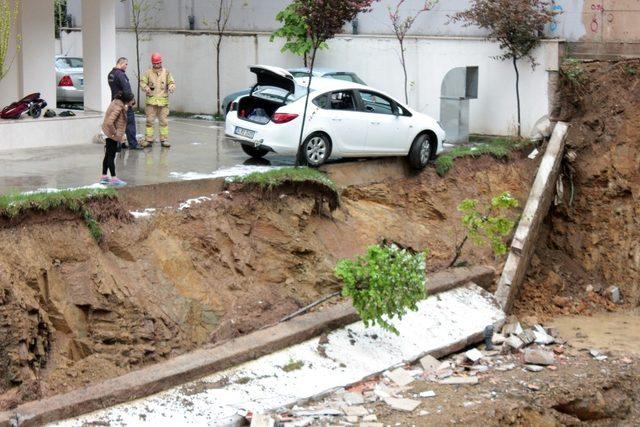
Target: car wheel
(316,149)
(421,152)
(255,152)
(34,111)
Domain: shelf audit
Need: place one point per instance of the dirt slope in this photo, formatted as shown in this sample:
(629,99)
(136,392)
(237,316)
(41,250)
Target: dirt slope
(593,239)
(72,312)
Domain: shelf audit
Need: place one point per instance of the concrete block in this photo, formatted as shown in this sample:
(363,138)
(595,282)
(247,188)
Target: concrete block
(460,381)
(400,376)
(429,364)
(538,356)
(406,405)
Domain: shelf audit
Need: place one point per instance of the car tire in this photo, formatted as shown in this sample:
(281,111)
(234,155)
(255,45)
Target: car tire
(316,149)
(421,152)
(255,152)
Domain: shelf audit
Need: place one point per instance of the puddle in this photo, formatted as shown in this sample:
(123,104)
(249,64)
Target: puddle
(618,332)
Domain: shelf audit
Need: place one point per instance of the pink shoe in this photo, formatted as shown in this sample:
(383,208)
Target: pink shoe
(117,182)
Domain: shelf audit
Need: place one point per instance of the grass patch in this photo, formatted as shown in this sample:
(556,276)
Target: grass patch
(293,365)
(276,177)
(14,204)
(497,147)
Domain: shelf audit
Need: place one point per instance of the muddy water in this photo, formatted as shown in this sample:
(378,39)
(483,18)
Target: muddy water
(615,332)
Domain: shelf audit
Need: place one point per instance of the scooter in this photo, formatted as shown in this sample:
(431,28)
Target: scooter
(32,104)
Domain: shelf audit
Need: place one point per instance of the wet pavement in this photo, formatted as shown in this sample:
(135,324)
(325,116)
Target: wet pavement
(199,150)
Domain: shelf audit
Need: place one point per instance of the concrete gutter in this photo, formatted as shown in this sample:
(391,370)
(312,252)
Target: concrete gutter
(206,361)
(535,211)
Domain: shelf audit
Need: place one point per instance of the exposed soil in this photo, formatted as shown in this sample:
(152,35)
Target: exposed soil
(73,312)
(592,240)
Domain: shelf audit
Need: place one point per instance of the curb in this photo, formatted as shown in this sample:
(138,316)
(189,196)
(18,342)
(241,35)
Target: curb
(206,361)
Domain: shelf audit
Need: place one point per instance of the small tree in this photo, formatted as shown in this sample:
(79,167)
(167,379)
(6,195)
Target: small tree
(401,27)
(324,19)
(8,20)
(517,25)
(295,32)
(384,283)
(142,16)
(487,225)
(221,21)
(60,12)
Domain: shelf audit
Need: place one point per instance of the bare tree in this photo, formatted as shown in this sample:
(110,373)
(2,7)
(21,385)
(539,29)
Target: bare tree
(142,16)
(401,27)
(224,11)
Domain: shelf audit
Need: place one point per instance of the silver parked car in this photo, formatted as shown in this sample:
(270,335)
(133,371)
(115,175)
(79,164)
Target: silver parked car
(69,79)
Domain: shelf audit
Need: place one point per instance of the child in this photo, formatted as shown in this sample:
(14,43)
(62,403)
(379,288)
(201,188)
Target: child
(114,126)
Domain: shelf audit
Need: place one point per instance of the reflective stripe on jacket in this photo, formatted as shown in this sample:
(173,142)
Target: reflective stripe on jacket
(158,83)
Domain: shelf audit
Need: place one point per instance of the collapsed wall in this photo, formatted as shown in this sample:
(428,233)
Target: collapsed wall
(592,238)
(73,312)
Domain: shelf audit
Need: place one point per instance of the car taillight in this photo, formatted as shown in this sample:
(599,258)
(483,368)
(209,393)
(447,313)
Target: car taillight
(65,81)
(280,118)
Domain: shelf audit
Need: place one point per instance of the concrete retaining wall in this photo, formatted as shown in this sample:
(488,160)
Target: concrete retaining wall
(535,211)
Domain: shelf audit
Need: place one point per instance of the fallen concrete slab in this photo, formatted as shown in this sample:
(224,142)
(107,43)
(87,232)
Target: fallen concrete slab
(206,361)
(535,211)
(348,355)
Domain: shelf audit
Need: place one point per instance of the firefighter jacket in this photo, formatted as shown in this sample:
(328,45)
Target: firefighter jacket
(157,84)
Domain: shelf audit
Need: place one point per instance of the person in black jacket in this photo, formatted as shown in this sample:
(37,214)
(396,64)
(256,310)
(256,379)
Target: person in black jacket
(119,83)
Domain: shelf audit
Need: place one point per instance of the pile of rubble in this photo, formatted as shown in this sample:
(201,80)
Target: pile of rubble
(533,349)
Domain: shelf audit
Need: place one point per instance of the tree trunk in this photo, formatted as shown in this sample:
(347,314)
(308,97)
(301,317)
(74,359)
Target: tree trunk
(515,66)
(404,70)
(219,42)
(306,104)
(138,64)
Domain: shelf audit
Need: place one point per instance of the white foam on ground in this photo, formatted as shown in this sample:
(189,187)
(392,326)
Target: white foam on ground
(142,214)
(187,204)
(354,352)
(222,173)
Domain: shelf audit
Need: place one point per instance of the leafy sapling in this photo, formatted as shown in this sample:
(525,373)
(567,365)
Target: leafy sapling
(384,283)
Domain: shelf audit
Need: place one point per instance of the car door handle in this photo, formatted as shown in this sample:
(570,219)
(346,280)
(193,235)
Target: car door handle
(375,123)
(336,120)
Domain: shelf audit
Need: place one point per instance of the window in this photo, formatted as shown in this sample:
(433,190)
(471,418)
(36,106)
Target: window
(349,77)
(376,103)
(69,63)
(323,102)
(342,100)
(297,74)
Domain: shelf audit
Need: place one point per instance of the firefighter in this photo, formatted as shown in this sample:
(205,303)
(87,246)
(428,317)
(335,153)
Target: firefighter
(157,83)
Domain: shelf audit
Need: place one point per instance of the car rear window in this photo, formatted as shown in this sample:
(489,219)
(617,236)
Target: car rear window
(69,62)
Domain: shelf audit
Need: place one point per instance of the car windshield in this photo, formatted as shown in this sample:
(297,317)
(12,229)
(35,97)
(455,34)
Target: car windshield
(69,62)
(349,77)
(297,74)
(277,94)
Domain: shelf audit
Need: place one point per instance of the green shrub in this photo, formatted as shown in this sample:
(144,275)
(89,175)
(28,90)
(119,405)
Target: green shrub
(490,224)
(384,283)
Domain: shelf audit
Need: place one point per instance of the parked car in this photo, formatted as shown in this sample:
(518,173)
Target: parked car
(69,79)
(345,119)
(297,73)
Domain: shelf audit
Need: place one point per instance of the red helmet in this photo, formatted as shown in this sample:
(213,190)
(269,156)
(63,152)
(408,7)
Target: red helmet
(156,58)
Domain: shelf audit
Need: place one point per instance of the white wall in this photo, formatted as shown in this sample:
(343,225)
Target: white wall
(191,59)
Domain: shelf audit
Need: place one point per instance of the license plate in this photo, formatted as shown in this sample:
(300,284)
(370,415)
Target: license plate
(245,132)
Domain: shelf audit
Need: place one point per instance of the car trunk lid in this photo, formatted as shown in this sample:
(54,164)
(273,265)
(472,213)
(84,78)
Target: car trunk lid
(273,76)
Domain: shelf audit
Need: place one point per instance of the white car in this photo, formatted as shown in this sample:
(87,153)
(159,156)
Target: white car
(344,119)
